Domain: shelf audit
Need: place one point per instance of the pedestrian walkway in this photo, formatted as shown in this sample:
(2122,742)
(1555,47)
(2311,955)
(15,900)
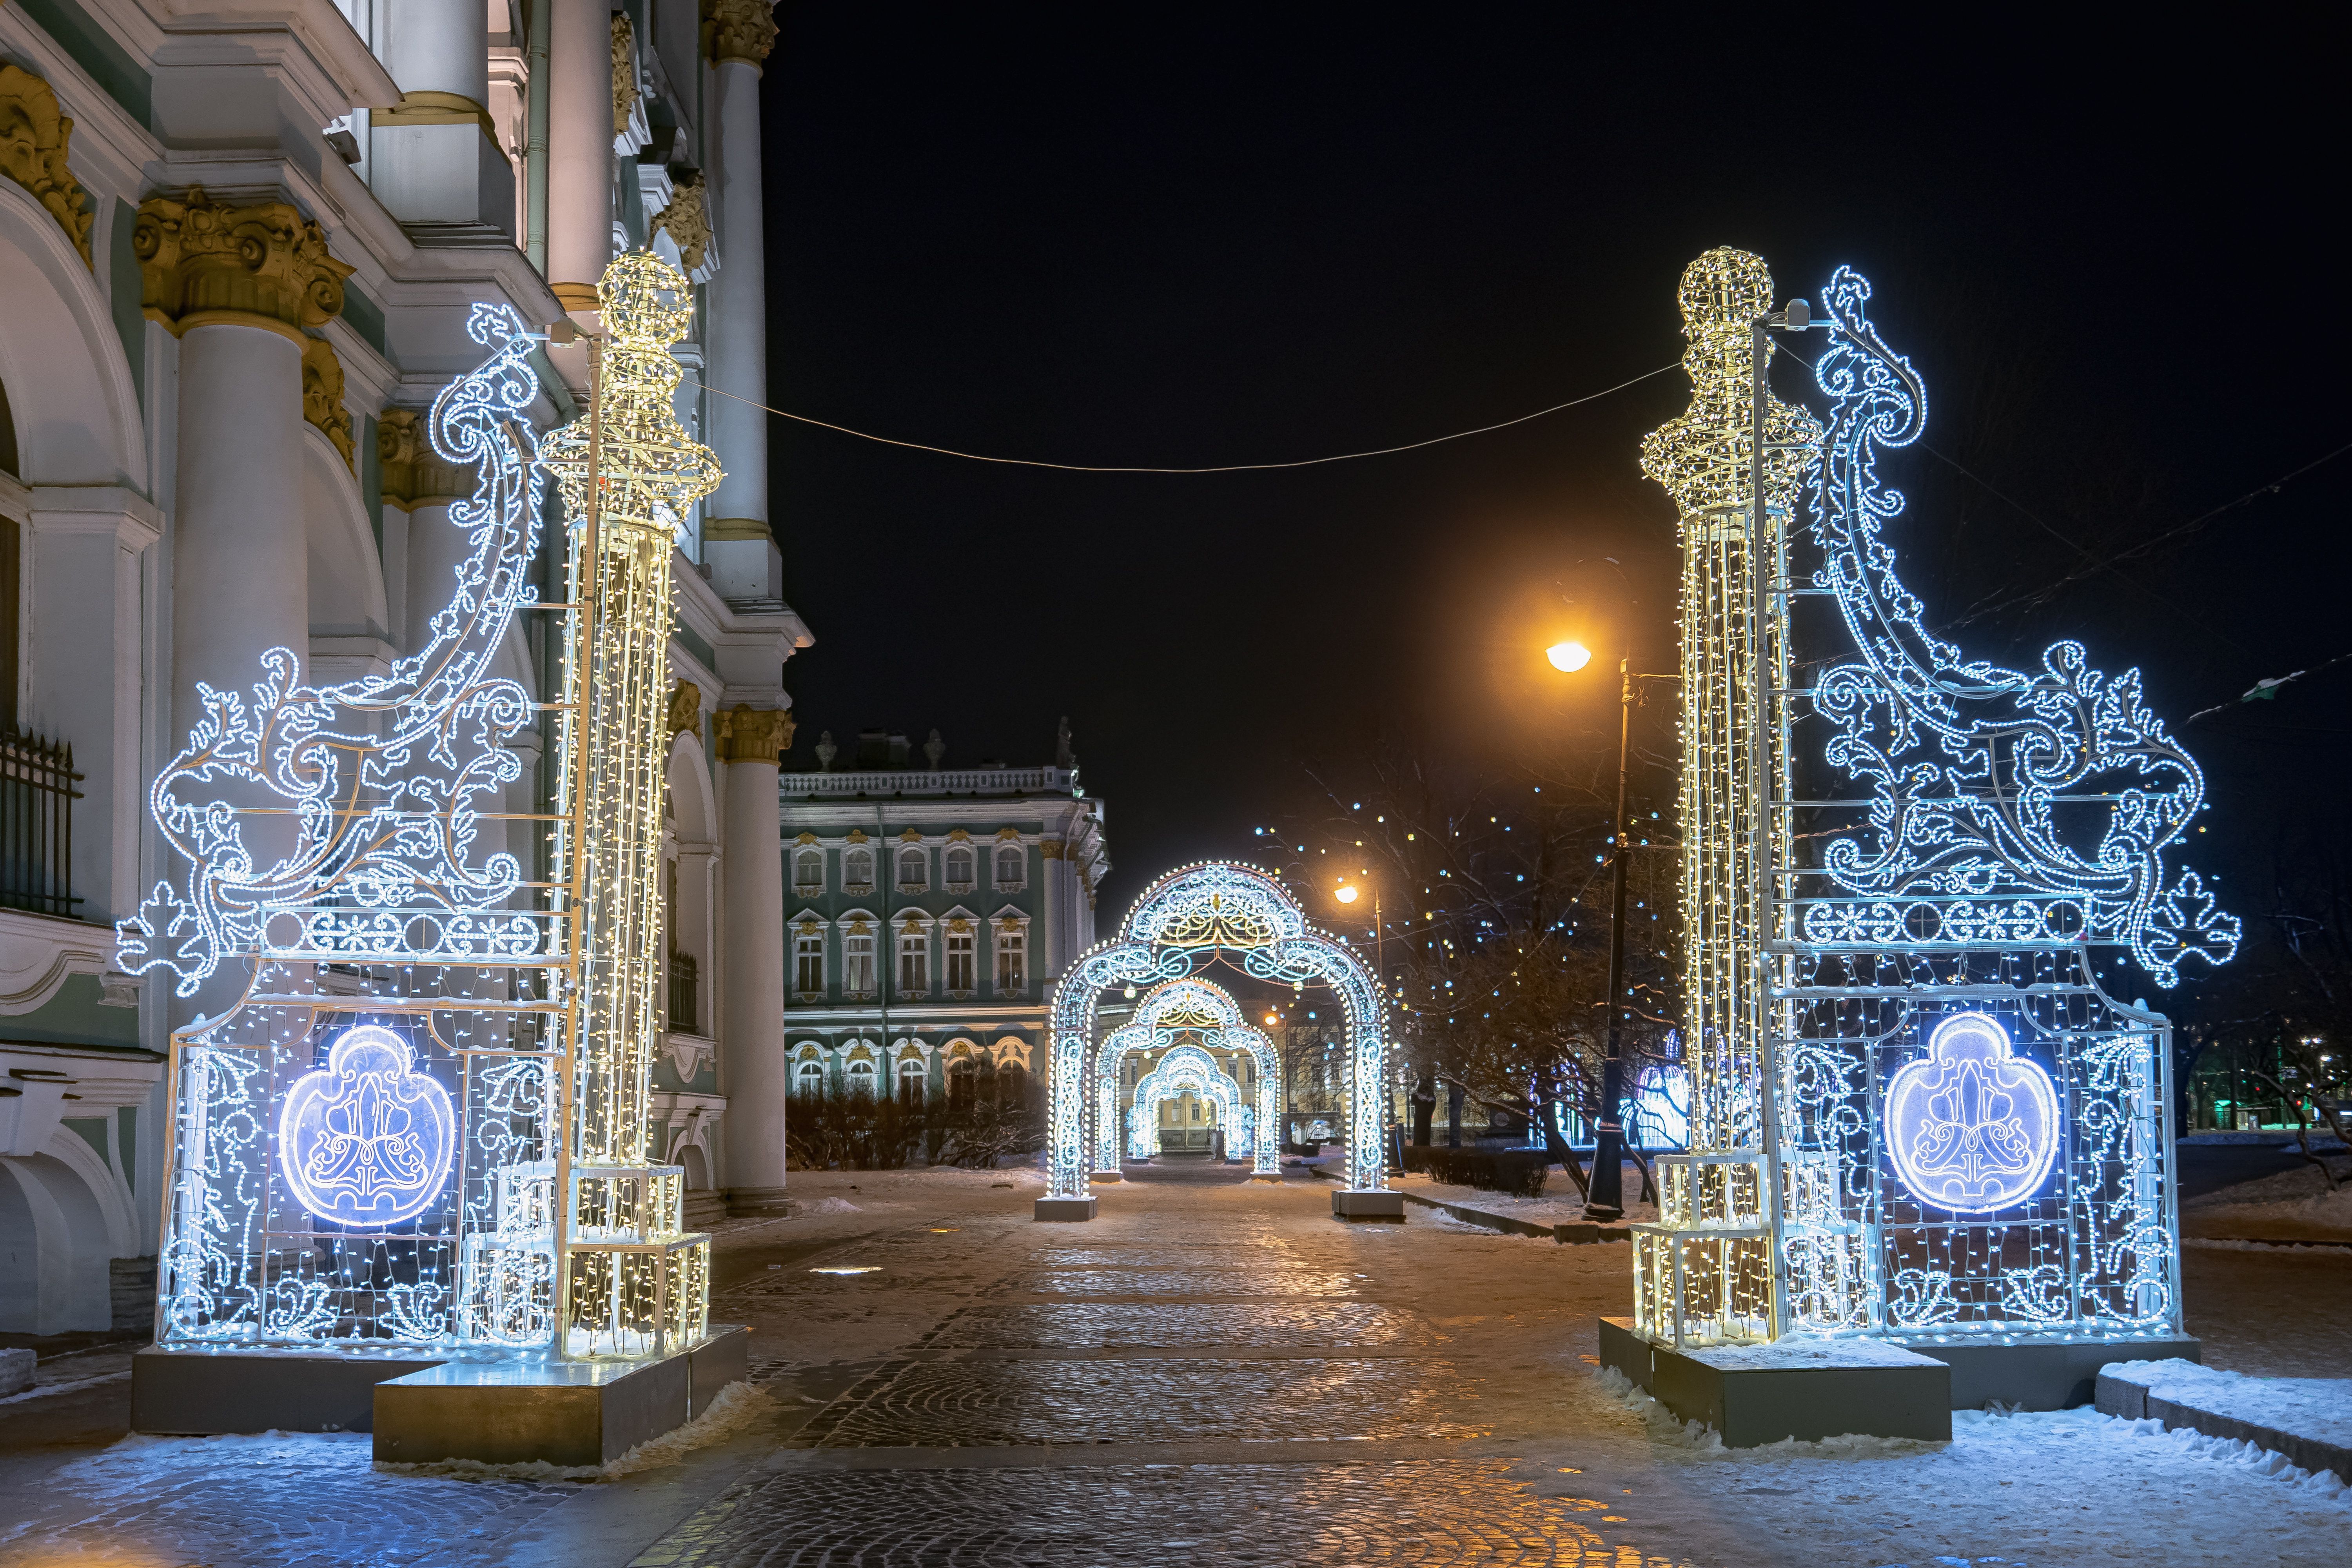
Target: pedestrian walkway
(1213,1373)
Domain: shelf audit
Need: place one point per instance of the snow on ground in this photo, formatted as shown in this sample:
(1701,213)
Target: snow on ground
(2316,1407)
(1560,1204)
(2298,1204)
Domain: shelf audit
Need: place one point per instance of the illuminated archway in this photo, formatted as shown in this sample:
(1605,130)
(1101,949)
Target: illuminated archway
(1209,1013)
(1189,1069)
(1183,919)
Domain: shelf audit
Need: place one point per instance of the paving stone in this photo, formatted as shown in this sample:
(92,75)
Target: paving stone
(1118,1325)
(978,1403)
(1396,1514)
(1271,1279)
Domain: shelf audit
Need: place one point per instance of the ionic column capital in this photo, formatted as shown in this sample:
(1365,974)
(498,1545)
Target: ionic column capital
(738,30)
(202,261)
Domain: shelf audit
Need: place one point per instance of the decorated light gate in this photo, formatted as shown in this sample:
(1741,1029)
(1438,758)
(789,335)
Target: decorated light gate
(1917,1112)
(1188,1010)
(1181,921)
(413,1111)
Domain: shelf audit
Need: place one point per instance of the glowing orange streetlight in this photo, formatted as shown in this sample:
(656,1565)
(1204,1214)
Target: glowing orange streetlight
(1568,658)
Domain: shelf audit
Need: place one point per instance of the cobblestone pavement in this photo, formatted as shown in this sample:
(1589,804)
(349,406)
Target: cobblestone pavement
(1208,1374)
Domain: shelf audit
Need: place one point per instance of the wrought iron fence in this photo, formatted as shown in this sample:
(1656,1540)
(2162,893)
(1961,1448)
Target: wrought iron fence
(37,796)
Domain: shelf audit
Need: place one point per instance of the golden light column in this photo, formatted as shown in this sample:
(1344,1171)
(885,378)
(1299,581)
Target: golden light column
(611,767)
(1735,755)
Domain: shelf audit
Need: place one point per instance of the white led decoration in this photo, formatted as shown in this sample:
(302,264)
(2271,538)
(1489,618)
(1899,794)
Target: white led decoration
(1972,1127)
(468,1168)
(1186,918)
(1913,1109)
(366,1140)
(1189,1069)
(1197,1011)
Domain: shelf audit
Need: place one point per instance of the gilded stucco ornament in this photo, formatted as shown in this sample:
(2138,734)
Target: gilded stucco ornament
(748,735)
(738,30)
(202,261)
(625,74)
(684,708)
(35,138)
(687,220)
(413,475)
(322,395)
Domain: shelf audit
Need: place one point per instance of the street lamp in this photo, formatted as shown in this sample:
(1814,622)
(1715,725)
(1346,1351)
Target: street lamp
(1568,658)
(1605,1199)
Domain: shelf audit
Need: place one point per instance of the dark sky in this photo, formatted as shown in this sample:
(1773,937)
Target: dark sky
(1192,236)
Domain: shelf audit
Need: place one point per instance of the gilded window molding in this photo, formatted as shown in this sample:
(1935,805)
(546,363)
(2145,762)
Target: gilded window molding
(36,137)
(203,262)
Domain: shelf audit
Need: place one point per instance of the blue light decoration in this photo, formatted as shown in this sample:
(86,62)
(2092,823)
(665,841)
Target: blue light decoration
(1915,1111)
(1189,1069)
(1193,1011)
(366,1139)
(1190,916)
(1969,1126)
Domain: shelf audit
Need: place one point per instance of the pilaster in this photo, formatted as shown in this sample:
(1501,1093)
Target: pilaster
(753,1067)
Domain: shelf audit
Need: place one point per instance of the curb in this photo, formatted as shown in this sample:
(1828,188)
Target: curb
(1568,1233)
(2120,1394)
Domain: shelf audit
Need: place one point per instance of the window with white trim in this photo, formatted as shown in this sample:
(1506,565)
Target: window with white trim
(808,872)
(959,868)
(858,966)
(961,944)
(808,964)
(1011,961)
(860,1077)
(809,1078)
(857,870)
(913,870)
(914,963)
(1010,865)
(911,1082)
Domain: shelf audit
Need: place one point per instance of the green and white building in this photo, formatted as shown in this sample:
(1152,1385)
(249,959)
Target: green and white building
(928,910)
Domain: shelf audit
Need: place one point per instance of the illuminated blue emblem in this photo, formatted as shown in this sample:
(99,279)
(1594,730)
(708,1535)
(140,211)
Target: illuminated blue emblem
(366,1139)
(1972,1127)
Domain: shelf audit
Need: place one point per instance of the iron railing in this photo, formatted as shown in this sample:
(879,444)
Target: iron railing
(37,796)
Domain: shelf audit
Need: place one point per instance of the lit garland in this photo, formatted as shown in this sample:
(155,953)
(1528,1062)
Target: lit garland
(1189,1069)
(340,825)
(1207,1013)
(1915,1111)
(1188,916)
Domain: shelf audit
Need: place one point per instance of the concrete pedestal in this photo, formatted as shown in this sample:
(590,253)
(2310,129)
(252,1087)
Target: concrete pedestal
(1368,1204)
(1806,1389)
(1066,1209)
(509,1409)
(2049,1375)
(563,1412)
(1099,1177)
(1273,1176)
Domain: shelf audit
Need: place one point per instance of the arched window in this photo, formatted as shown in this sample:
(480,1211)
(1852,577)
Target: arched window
(809,1078)
(1012,1083)
(911,1082)
(959,868)
(861,1078)
(857,870)
(808,872)
(912,871)
(1009,863)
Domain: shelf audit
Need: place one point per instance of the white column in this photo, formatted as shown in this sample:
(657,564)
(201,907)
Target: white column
(240,565)
(752,1069)
(580,153)
(737,544)
(434,159)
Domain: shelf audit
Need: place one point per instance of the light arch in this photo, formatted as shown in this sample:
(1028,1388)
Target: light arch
(1208,1011)
(1190,1069)
(1188,916)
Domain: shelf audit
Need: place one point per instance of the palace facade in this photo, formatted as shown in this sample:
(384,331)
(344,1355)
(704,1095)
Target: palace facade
(239,244)
(930,908)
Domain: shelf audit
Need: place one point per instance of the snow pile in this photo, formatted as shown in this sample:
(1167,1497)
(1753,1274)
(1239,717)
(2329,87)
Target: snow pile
(825,1205)
(1697,1438)
(2254,1457)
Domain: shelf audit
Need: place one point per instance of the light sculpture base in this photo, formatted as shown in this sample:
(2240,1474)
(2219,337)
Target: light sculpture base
(516,1412)
(2042,1374)
(1099,1177)
(1375,1206)
(1806,1389)
(1066,1209)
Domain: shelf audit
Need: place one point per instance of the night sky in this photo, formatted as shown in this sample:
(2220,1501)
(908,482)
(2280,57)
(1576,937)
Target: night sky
(1192,237)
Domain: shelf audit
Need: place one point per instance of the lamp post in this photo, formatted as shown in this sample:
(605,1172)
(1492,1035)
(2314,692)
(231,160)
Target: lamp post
(1605,1199)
